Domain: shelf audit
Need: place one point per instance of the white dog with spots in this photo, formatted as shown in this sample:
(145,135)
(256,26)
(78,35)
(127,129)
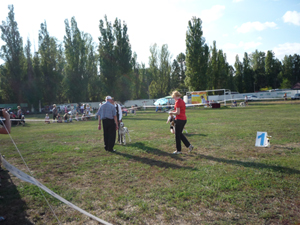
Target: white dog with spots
(123,131)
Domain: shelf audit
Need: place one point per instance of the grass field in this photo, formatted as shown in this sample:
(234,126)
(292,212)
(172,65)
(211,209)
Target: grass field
(225,180)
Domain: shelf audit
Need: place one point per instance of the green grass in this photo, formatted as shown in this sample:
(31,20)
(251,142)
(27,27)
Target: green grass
(225,180)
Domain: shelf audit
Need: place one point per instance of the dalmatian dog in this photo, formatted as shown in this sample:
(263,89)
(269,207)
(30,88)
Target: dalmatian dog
(123,131)
(242,104)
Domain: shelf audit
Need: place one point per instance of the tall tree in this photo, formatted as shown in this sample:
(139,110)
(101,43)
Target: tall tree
(238,74)
(136,77)
(182,67)
(30,87)
(175,75)
(108,63)
(258,65)
(296,69)
(160,67)
(146,79)
(38,78)
(60,65)
(123,57)
(231,84)
(48,55)
(247,74)
(75,51)
(278,71)
(213,70)
(197,53)
(94,84)
(222,70)
(270,69)
(12,53)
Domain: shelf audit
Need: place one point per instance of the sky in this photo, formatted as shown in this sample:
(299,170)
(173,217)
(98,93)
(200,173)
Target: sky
(237,26)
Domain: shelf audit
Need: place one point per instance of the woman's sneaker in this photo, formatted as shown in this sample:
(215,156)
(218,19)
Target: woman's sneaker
(191,147)
(177,152)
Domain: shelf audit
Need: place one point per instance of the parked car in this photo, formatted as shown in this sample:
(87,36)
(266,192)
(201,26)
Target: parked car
(252,97)
(296,96)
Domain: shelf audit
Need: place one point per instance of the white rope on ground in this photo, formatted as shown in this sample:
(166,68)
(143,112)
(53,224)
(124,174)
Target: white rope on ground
(27,169)
(23,176)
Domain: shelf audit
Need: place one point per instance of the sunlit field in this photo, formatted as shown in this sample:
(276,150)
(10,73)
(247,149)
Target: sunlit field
(224,180)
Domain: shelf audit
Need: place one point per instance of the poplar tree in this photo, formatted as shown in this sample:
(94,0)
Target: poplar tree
(197,53)
(270,69)
(94,84)
(247,74)
(38,80)
(213,78)
(123,56)
(182,69)
(146,79)
(108,63)
(175,75)
(238,74)
(12,73)
(258,64)
(51,81)
(136,84)
(75,81)
(30,85)
(160,68)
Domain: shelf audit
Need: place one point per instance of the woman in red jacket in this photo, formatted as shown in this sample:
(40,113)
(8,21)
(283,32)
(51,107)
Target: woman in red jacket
(180,121)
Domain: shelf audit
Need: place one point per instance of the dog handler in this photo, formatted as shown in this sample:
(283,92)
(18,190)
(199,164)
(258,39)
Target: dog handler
(119,118)
(180,121)
(107,113)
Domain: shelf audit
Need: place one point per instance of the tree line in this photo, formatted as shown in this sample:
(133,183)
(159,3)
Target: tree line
(79,70)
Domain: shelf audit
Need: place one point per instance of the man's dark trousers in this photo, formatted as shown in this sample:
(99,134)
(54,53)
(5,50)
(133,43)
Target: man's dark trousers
(109,132)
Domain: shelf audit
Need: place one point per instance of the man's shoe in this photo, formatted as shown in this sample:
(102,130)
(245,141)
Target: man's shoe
(191,147)
(177,152)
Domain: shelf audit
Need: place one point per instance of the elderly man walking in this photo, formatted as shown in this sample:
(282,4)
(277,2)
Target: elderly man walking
(107,114)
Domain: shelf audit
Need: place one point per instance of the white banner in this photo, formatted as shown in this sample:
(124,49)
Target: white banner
(23,176)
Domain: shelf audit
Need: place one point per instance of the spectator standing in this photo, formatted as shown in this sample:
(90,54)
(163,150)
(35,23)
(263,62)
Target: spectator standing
(246,100)
(107,114)
(19,115)
(180,121)
(54,112)
(81,108)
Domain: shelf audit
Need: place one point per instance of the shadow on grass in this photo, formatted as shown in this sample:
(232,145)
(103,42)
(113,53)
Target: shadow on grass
(191,134)
(154,151)
(153,162)
(12,206)
(256,165)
